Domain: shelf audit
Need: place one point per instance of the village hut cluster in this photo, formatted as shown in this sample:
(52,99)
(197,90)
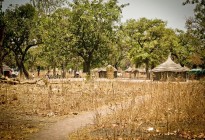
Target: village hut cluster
(167,71)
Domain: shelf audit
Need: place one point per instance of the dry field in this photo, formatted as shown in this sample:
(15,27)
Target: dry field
(27,108)
(173,108)
(175,111)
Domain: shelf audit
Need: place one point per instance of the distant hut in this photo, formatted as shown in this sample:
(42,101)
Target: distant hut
(95,73)
(109,72)
(136,72)
(7,70)
(169,71)
(139,73)
(196,74)
(129,71)
(102,72)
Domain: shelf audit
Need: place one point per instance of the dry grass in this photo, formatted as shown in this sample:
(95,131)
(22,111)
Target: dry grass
(176,109)
(25,109)
(172,108)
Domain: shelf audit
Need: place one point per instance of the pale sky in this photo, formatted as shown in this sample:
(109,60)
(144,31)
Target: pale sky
(171,11)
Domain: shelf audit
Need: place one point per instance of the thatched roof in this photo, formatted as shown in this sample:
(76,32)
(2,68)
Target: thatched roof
(169,66)
(6,68)
(105,68)
(110,66)
(101,69)
(135,70)
(141,70)
(129,69)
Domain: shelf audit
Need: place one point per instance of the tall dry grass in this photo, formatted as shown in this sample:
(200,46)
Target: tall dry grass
(173,108)
(28,107)
(63,98)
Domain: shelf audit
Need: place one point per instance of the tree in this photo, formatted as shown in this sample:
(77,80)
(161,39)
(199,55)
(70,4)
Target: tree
(47,6)
(119,50)
(19,21)
(2,30)
(54,30)
(185,51)
(150,41)
(196,32)
(93,25)
(48,27)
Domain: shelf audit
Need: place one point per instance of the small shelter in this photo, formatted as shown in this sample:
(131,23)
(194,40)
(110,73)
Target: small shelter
(7,70)
(169,71)
(111,72)
(196,74)
(139,73)
(102,72)
(107,72)
(130,71)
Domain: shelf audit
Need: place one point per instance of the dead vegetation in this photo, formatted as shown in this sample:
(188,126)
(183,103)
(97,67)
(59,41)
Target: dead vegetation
(174,111)
(26,108)
(174,108)
(15,81)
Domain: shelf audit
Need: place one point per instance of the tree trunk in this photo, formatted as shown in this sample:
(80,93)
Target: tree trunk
(18,65)
(25,71)
(116,65)
(86,67)
(21,67)
(63,70)
(1,66)
(147,68)
(54,71)
(1,48)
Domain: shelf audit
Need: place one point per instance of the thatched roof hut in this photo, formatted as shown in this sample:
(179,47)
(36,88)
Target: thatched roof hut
(169,70)
(6,70)
(102,72)
(107,72)
(111,72)
(135,72)
(139,73)
(129,70)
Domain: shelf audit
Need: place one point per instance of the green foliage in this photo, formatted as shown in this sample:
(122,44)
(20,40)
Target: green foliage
(196,31)
(86,29)
(93,26)
(87,34)
(55,34)
(18,22)
(47,6)
(150,41)
(119,50)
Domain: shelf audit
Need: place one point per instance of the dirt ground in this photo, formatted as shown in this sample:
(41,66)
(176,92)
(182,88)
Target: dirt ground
(31,109)
(28,108)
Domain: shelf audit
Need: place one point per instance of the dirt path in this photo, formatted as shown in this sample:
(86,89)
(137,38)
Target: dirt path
(61,129)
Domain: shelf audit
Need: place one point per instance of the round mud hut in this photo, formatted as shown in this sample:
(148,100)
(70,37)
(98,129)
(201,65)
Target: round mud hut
(111,72)
(169,71)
